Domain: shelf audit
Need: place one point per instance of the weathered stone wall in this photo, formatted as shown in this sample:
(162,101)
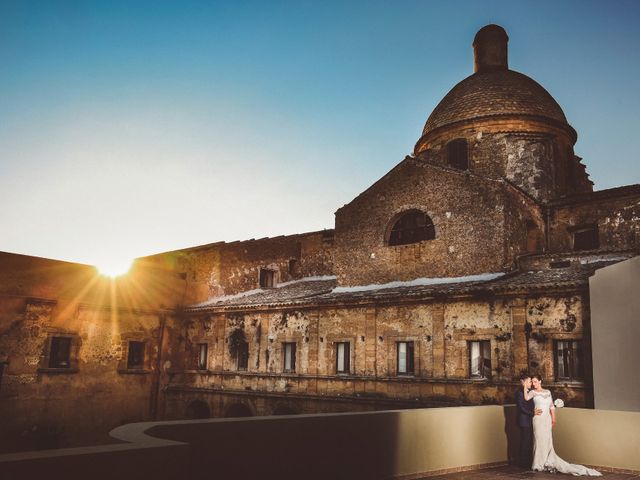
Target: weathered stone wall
(467,211)
(229,268)
(533,155)
(441,332)
(525,227)
(559,318)
(617,217)
(40,299)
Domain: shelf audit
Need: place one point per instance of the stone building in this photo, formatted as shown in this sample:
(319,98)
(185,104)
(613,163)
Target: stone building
(464,265)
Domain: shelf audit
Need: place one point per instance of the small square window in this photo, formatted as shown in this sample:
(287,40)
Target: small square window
(267,278)
(203,356)
(405,358)
(60,353)
(586,238)
(243,356)
(458,154)
(135,355)
(480,359)
(343,357)
(568,360)
(293,266)
(289,357)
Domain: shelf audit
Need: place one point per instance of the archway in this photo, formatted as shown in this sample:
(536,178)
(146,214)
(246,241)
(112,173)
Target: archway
(284,410)
(238,410)
(197,410)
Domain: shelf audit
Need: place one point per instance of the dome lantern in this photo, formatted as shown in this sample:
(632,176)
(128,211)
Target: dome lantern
(490,49)
(493,93)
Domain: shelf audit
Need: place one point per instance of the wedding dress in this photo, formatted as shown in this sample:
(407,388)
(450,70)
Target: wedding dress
(544,456)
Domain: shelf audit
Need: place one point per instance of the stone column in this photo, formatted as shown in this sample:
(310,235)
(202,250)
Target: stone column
(314,348)
(371,342)
(519,343)
(438,345)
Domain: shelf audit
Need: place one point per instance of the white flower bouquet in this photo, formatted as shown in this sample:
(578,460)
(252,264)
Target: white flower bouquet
(558,403)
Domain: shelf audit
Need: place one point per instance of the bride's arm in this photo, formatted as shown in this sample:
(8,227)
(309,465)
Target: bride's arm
(552,411)
(528,395)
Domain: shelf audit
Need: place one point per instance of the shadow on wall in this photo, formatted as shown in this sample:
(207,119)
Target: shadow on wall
(311,447)
(512,432)
(363,445)
(368,446)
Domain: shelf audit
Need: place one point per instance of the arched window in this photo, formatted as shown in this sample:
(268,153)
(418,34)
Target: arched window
(458,154)
(412,227)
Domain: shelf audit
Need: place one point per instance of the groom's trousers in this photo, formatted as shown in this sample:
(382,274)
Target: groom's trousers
(525,453)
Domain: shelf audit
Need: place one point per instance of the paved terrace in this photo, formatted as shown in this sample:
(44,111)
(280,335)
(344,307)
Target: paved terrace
(452,443)
(508,472)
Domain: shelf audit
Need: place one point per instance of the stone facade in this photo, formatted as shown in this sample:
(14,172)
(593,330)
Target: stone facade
(45,405)
(463,266)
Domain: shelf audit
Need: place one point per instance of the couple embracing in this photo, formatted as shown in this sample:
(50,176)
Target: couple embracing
(536,418)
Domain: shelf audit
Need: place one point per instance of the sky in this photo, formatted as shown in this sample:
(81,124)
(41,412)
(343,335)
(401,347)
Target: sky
(132,128)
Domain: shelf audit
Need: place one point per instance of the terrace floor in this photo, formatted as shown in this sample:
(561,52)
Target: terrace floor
(509,471)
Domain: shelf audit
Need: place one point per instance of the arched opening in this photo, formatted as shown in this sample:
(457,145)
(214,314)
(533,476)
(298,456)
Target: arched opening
(197,410)
(412,227)
(458,154)
(534,237)
(238,410)
(284,410)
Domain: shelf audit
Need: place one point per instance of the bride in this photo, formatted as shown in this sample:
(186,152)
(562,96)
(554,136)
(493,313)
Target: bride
(544,456)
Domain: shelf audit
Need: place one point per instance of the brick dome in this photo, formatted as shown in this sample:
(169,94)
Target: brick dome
(494,93)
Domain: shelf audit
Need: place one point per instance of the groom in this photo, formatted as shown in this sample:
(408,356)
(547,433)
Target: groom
(526,412)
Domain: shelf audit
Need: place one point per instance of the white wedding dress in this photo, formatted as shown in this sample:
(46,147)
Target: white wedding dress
(544,456)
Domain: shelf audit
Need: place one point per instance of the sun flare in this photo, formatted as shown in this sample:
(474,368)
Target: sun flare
(114,267)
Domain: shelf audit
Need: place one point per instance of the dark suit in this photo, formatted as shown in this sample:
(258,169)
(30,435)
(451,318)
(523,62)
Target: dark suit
(525,410)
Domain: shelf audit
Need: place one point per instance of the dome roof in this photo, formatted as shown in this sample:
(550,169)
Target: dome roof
(494,92)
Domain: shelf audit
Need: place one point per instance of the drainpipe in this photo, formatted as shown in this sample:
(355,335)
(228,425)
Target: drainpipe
(547,222)
(527,334)
(155,387)
(3,364)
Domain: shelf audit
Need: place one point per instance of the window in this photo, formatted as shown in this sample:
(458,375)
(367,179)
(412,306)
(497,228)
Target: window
(267,278)
(203,356)
(480,359)
(412,227)
(457,154)
(243,356)
(293,266)
(343,357)
(289,354)
(328,236)
(60,353)
(135,355)
(568,360)
(405,358)
(586,238)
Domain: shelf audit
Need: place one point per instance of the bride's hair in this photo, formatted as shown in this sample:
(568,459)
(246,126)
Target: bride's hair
(538,376)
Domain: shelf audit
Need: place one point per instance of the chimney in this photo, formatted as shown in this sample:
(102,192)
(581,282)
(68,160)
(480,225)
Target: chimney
(490,49)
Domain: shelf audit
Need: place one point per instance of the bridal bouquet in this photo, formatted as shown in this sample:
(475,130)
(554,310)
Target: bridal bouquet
(558,403)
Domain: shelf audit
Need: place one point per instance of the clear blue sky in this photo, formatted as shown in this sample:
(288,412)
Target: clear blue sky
(129,128)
